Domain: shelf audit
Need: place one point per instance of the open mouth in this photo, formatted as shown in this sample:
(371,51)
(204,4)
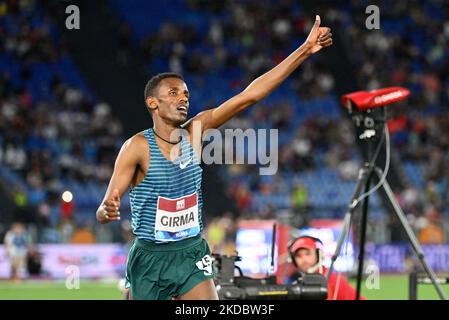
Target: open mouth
(183,108)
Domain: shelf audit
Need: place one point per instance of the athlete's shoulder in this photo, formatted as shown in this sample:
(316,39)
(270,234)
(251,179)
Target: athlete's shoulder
(136,143)
(138,140)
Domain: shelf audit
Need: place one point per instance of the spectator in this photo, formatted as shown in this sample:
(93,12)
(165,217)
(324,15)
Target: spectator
(34,263)
(433,232)
(83,235)
(17,242)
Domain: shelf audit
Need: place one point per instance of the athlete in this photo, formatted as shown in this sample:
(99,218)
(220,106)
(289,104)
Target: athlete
(169,258)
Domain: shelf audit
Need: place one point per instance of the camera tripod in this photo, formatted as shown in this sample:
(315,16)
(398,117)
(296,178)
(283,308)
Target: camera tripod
(363,182)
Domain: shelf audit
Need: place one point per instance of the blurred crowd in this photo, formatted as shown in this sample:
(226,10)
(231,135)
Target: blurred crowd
(53,131)
(246,38)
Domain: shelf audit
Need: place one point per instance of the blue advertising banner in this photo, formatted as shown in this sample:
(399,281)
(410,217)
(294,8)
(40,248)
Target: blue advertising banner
(394,258)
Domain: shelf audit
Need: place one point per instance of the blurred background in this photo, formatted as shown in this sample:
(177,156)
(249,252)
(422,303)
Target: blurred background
(70,98)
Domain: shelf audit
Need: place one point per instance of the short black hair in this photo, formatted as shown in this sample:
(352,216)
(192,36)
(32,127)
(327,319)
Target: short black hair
(155,80)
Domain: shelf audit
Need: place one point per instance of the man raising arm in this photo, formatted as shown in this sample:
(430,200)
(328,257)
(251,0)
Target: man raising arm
(169,258)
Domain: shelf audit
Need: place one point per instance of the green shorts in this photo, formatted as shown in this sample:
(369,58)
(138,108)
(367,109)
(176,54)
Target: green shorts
(162,271)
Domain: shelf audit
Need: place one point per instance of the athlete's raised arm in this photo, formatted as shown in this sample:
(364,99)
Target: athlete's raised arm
(319,37)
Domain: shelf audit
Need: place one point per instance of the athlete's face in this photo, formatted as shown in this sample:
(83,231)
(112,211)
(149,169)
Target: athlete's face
(305,258)
(172,100)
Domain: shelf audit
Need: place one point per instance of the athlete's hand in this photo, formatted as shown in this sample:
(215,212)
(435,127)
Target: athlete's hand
(109,210)
(319,37)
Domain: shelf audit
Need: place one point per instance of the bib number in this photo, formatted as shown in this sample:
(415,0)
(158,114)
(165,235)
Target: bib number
(176,219)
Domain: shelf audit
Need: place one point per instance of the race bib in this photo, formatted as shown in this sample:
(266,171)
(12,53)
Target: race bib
(176,219)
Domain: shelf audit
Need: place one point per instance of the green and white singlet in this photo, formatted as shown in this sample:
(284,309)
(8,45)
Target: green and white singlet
(166,205)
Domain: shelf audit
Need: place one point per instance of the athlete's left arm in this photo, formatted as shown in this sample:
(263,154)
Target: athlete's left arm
(319,37)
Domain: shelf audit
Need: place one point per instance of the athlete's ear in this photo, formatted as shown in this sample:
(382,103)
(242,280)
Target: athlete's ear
(151,103)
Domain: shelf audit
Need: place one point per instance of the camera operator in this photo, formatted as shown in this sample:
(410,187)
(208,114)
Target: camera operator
(307,255)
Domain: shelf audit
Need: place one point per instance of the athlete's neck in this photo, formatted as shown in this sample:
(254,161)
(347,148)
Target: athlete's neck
(167,133)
